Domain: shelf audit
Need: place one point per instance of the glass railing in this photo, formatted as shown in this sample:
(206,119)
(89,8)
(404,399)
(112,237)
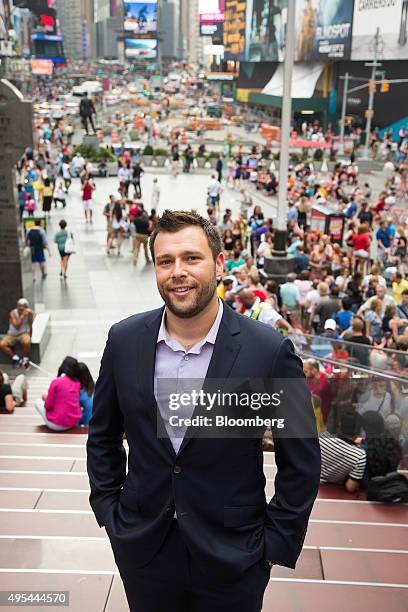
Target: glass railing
(379,397)
(390,363)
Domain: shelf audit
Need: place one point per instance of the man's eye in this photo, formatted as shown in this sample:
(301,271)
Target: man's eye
(192,258)
(165,262)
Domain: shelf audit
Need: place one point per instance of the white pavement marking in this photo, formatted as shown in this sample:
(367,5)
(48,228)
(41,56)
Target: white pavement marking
(52,458)
(36,433)
(44,445)
(38,489)
(44,472)
(45,511)
(320,521)
(116,573)
(81,322)
(342,582)
(102,538)
(366,523)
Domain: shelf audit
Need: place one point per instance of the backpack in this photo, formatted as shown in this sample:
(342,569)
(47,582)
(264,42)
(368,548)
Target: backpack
(391,488)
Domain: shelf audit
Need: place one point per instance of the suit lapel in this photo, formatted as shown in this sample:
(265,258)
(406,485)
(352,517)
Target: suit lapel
(147,361)
(225,353)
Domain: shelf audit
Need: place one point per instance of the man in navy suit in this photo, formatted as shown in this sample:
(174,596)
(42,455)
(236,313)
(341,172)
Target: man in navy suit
(187,517)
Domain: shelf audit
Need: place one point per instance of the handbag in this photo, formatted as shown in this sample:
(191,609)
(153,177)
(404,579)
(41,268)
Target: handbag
(69,247)
(27,252)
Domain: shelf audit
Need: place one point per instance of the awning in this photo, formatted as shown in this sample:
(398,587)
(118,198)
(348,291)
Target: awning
(304,80)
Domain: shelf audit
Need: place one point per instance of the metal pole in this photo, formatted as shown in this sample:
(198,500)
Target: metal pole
(371,94)
(286,117)
(343,112)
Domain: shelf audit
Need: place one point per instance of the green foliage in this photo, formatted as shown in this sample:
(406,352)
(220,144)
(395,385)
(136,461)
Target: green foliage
(294,157)
(148,150)
(161,153)
(94,155)
(213,155)
(318,155)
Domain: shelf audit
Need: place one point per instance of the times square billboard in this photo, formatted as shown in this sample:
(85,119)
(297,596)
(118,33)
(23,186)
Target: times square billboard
(391,17)
(323,29)
(141,17)
(255,30)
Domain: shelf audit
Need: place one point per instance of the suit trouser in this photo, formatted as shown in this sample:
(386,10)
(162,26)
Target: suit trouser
(174,582)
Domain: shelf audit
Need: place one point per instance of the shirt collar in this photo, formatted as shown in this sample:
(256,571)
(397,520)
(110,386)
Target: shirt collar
(210,338)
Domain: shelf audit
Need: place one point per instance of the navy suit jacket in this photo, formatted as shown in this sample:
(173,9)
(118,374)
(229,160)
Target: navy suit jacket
(216,486)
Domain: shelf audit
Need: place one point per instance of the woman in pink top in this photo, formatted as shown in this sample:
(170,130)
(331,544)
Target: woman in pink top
(60,409)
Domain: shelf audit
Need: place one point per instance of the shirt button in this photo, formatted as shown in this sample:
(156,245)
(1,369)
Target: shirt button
(169,511)
(186,358)
(177,469)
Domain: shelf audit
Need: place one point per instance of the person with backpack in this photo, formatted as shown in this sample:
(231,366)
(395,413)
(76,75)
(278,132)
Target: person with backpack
(384,455)
(36,239)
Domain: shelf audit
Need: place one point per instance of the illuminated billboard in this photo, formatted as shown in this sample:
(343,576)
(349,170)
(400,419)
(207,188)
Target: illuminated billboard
(234,29)
(211,11)
(141,48)
(265,30)
(141,17)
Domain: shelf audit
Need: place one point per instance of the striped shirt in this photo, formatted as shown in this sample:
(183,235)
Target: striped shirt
(340,459)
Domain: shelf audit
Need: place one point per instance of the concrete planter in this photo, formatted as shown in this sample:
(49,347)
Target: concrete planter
(213,162)
(112,168)
(207,165)
(200,161)
(147,160)
(161,160)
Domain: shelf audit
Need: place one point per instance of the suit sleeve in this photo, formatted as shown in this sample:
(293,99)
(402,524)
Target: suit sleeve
(106,455)
(297,456)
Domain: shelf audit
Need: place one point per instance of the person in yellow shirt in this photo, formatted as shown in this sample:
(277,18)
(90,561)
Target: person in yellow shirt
(399,285)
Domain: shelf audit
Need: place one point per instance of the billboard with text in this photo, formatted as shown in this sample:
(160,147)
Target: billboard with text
(234,29)
(323,29)
(391,17)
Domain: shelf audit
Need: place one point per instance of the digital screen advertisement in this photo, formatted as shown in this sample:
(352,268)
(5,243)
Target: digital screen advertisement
(141,17)
(234,29)
(265,30)
(141,48)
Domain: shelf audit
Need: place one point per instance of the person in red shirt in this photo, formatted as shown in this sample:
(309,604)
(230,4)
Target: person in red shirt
(361,248)
(87,190)
(319,385)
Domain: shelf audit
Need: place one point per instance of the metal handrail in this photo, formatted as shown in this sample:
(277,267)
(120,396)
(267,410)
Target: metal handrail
(358,368)
(341,341)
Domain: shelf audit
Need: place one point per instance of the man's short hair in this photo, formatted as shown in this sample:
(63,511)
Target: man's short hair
(173,221)
(357,324)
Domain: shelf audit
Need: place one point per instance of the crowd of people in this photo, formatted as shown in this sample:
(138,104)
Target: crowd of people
(346,299)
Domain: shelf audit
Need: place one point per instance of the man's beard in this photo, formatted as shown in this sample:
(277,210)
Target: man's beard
(204,293)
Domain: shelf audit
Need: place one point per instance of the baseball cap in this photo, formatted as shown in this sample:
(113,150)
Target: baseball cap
(22,302)
(330,324)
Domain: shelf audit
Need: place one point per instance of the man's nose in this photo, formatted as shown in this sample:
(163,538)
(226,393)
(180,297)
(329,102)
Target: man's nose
(178,268)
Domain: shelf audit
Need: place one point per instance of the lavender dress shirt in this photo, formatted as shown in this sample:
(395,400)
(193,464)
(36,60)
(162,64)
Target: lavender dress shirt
(174,362)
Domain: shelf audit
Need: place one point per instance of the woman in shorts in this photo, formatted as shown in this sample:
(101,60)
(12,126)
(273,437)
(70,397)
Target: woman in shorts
(60,239)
